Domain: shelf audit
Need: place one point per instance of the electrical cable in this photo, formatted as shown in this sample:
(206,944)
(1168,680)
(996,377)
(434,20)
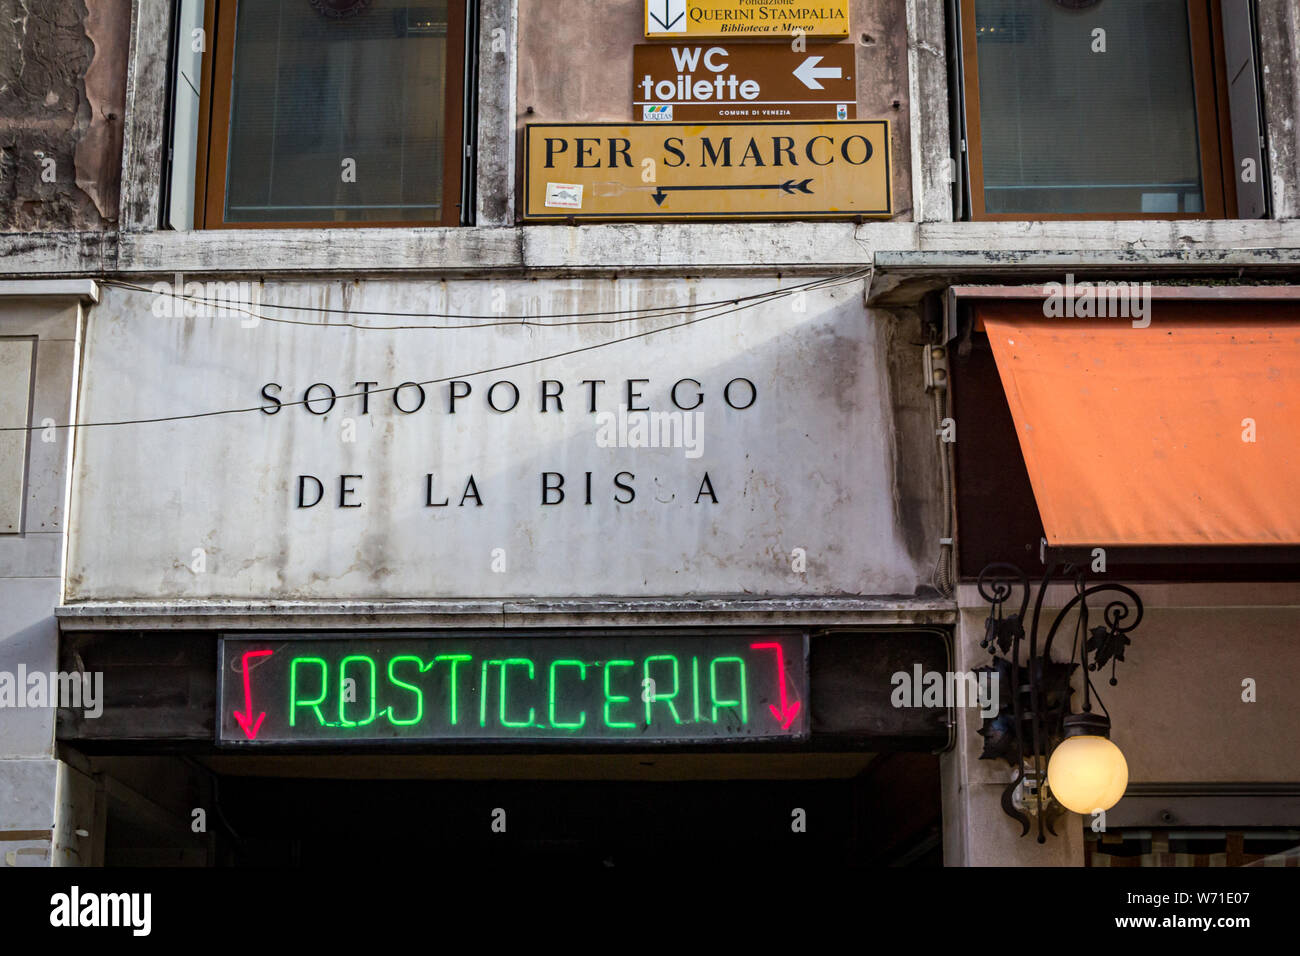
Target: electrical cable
(493,321)
(830,283)
(942,576)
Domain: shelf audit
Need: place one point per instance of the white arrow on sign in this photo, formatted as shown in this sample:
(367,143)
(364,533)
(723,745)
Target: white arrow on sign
(808,73)
(665,16)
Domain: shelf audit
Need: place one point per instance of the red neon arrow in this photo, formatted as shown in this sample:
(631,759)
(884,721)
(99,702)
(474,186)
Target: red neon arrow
(789,711)
(245,719)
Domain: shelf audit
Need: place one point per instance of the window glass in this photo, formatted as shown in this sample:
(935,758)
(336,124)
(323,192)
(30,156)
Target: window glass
(337,111)
(1067,128)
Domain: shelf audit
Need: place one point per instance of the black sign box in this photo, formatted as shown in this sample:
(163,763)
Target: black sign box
(622,688)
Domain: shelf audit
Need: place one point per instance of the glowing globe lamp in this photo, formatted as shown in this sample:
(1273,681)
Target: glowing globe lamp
(1087,772)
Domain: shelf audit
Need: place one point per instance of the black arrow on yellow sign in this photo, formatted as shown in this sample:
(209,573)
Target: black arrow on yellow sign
(789,186)
(668,21)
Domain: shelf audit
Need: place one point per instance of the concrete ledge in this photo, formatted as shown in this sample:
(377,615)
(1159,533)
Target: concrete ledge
(902,277)
(213,615)
(86,290)
(1199,595)
(896,248)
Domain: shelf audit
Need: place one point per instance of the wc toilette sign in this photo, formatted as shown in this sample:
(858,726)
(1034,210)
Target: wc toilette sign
(743,81)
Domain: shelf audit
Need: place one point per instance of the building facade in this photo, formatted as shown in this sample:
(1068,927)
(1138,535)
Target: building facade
(594,420)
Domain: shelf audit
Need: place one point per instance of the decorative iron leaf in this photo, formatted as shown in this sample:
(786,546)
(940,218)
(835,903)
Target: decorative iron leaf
(1054,680)
(999,731)
(1009,804)
(1106,643)
(1008,629)
(999,735)
(1053,811)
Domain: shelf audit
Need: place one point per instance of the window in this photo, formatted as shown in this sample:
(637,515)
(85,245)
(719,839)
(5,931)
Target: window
(1192,847)
(331,113)
(17,356)
(1109,109)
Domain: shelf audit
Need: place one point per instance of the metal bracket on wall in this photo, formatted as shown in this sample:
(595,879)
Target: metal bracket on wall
(1207,805)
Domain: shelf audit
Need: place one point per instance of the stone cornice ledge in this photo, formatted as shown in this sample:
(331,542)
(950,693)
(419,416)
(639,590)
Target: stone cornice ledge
(504,613)
(654,248)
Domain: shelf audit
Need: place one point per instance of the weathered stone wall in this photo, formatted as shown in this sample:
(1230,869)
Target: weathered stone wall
(832,452)
(1279,41)
(62,102)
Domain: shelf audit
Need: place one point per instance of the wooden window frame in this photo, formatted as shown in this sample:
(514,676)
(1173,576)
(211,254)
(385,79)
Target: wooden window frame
(1214,131)
(214,128)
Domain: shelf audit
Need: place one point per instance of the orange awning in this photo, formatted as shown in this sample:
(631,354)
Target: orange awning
(1140,436)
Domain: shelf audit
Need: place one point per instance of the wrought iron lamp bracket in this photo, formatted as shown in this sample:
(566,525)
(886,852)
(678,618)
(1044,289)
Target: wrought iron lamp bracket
(1037,717)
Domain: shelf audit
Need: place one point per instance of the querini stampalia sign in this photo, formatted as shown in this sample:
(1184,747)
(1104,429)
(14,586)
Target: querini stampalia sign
(752,18)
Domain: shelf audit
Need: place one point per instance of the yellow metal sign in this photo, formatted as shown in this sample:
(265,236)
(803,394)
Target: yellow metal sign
(707,171)
(746,18)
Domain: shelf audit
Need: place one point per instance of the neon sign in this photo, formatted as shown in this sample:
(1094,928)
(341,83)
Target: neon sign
(631,688)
